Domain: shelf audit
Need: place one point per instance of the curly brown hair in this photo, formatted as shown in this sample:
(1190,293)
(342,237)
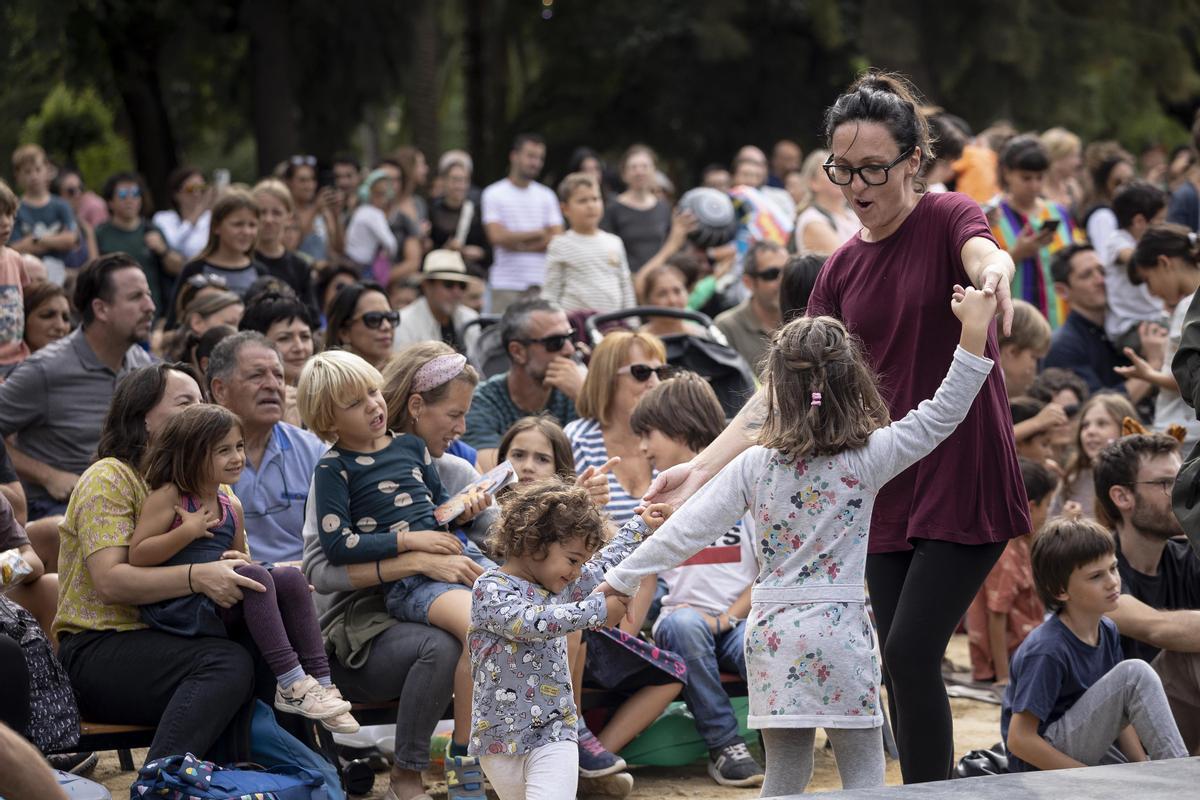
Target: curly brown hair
(538,514)
(817,355)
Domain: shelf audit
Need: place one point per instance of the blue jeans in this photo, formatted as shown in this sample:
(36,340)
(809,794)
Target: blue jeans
(686,632)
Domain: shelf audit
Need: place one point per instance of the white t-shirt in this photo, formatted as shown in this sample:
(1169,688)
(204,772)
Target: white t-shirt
(518,209)
(1170,407)
(185,238)
(713,578)
(844,225)
(1127,304)
(368,232)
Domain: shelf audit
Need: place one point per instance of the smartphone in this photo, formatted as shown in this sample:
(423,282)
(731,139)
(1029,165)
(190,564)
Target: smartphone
(221,179)
(1050,225)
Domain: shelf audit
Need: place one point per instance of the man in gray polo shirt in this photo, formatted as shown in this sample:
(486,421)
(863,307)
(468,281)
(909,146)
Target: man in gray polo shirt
(53,405)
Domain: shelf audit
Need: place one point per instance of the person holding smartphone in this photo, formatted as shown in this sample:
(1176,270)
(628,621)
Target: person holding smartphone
(1031,228)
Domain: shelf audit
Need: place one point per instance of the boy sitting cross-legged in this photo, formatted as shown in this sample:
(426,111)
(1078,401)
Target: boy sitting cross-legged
(1071,697)
(708,596)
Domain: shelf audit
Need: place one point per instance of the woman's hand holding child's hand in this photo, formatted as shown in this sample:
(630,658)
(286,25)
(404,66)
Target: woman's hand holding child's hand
(975,309)
(196,522)
(655,514)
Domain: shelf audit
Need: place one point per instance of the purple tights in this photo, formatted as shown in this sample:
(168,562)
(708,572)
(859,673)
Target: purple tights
(282,620)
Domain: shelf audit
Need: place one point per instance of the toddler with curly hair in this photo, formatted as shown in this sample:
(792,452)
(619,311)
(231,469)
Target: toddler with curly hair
(523,714)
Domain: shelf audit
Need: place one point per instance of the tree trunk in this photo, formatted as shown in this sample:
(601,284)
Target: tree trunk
(134,61)
(473,78)
(423,101)
(273,98)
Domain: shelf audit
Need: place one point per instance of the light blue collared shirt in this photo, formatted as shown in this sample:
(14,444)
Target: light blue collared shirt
(273,495)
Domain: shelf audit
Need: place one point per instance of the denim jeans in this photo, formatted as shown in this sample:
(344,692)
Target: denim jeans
(685,632)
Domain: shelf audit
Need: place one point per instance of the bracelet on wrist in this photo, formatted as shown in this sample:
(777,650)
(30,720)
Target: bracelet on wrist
(379,571)
(190,589)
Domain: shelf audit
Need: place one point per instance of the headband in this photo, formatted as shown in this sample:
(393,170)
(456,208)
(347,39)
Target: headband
(436,371)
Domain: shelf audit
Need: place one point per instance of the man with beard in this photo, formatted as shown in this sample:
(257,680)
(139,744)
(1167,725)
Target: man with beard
(1159,610)
(245,374)
(53,404)
(439,314)
(543,377)
(520,217)
(749,324)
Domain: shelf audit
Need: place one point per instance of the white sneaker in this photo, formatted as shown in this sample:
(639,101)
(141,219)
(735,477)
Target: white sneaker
(339,723)
(309,699)
(617,785)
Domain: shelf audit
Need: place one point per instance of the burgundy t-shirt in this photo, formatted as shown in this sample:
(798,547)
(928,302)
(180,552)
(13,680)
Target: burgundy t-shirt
(895,296)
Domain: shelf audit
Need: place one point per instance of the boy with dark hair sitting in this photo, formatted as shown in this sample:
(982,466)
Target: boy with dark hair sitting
(1071,696)
(708,596)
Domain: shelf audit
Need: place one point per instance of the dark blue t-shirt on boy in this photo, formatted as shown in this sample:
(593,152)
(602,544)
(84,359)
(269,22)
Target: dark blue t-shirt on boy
(1051,670)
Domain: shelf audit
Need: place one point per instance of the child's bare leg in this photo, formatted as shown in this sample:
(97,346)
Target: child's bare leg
(451,612)
(635,715)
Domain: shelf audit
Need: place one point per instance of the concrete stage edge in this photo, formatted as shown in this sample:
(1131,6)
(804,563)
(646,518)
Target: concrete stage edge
(1176,778)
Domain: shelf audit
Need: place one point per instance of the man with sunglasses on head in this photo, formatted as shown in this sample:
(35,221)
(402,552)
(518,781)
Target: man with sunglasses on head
(749,324)
(245,374)
(128,231)
(543,377)
(439,314)
(1158,613)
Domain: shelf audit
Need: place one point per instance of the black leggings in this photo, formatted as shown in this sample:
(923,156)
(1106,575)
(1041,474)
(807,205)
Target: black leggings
(919,596)
(14,686)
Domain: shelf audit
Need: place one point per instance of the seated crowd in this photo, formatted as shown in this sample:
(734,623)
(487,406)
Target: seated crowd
(272,373)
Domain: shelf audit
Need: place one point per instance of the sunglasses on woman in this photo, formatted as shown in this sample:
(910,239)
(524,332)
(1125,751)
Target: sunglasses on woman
(374,319)
(202,281)
(642,372)
(303,161)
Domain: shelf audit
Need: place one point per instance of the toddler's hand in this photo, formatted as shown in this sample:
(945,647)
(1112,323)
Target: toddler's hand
(618,609)
(973,307)
(196,522)
(655,514)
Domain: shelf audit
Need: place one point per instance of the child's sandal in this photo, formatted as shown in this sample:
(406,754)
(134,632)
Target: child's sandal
(464,778)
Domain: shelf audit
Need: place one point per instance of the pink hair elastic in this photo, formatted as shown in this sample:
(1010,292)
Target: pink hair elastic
(816,399)
(436,371)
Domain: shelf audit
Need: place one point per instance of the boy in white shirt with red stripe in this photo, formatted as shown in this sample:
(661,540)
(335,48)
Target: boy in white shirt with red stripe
(708,596)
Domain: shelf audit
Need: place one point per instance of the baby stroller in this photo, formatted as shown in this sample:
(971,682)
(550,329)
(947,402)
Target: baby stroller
(710,356)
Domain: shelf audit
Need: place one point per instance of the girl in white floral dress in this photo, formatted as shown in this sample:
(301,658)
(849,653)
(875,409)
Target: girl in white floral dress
(826,448)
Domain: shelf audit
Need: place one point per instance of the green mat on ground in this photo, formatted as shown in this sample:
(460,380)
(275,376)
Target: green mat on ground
(672,740)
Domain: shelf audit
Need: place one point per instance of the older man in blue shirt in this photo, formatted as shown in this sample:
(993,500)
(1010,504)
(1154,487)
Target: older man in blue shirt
(245,374)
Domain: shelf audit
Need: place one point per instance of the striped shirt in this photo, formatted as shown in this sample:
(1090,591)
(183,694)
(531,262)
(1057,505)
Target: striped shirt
(588,272)
(531,208)
(587,445)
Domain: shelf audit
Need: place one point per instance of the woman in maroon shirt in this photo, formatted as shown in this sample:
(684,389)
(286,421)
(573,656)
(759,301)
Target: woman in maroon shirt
(939,526)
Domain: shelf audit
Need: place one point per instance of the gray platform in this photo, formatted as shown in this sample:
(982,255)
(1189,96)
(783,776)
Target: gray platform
(1177,778)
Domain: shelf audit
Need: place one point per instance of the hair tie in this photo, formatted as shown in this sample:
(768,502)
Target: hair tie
(1192,238)
(816,399)
(436,371)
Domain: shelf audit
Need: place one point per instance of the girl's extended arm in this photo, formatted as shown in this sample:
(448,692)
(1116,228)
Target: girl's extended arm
(154,541)
(500,607)
(708,514)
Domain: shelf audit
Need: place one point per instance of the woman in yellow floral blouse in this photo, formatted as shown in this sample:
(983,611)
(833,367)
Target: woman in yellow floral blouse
(123,672)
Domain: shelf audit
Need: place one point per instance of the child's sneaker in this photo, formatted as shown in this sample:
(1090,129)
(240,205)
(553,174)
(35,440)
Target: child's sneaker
(339,723)
(309,699)
(594,760)
(464,777)
(733,765)
(617,785)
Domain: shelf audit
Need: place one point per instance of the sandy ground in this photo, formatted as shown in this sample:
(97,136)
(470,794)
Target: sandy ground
(976,725)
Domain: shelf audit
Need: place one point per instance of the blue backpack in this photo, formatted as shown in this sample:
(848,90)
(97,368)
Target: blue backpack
(272,746)
(188,778)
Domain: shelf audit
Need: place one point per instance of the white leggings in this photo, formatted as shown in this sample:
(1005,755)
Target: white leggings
(859,754)
(550,772)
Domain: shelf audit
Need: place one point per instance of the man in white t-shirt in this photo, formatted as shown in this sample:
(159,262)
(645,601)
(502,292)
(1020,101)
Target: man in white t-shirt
(703,616)
(520,217)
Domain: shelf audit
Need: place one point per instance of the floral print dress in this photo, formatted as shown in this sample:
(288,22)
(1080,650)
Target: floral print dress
(810,658)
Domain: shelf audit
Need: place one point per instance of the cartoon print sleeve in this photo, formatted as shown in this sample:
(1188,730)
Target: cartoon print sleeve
(631,535)
(499,608)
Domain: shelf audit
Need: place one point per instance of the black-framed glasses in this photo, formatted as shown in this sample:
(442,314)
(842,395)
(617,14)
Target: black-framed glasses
(642,372)
(553,343)
(771,274)
(871,174)
(1165,484)
(375,319)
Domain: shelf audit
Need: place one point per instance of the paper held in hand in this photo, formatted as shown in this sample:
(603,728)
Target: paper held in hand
(13,569)
(491,482)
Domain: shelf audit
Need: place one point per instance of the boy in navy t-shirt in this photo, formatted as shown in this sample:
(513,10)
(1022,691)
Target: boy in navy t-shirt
(1071,696)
